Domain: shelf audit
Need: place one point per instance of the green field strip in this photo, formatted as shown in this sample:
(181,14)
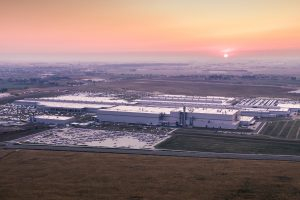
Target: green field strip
(298,134)
(232,145)
(269,127)
(286,129)
(282,129)
(278,128)
(293,132)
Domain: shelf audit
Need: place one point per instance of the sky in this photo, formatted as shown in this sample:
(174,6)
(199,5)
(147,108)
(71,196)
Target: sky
(149,27)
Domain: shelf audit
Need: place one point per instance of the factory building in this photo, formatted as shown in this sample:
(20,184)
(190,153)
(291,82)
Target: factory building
(82,98)
(262,112)
(52,119)
(188,101)
(292,106)
(247,120)
(260,102)
(209,99)
(63,107)
(207,117)
(78,103)
(172,110)
(192,117)
(136,115)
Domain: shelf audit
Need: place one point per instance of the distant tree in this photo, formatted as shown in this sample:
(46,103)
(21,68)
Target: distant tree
(162,116)
(2,90)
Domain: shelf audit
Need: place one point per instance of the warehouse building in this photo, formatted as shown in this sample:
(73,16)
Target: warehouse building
(171,110)
(260,102)
(84,98)
(192,117)
(63,107)
(207,117)
(52,119)
(208,99)
(262,112)
(292,106)
(76,104)
(247,120)
(188,101)
(136,115)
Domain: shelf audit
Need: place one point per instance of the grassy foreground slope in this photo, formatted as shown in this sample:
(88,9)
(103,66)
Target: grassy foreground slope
(68,175)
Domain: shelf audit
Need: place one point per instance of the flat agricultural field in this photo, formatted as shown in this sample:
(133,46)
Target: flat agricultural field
(209,141)
(287,129)
(202,88)
(69,175)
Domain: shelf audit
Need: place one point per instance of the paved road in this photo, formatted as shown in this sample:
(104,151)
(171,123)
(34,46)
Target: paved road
(156,152)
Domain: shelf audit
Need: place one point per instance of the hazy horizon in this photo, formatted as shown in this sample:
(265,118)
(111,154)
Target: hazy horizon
(142,57)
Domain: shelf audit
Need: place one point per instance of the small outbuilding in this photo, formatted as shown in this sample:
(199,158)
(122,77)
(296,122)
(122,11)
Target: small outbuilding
(247,120)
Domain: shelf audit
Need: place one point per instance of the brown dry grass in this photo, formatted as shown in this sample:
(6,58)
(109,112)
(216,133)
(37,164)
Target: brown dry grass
(69,175)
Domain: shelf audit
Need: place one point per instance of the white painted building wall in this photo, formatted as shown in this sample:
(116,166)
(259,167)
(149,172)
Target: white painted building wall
(136,115)
(247,120)
(57,120)
(211,118)
(282,112)
(208,117)
(215,124)
(293,107)
(126,117)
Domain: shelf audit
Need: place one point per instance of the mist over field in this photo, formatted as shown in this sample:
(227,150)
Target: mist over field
(172,66)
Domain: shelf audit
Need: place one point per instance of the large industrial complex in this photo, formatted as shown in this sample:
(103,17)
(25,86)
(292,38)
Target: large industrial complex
(167,110)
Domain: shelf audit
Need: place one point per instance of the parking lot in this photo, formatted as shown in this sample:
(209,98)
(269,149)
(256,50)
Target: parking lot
(101,138)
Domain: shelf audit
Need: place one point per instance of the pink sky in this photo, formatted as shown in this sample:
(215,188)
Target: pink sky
(207,27)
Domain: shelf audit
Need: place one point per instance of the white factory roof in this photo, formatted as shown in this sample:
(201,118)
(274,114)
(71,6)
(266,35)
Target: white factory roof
(53,117)
(71,105)
(258,102)
(246,118)
(182,102)
(214,111)
(185,97)
(87,99)
(289,105)
(265,109)
(140,109)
